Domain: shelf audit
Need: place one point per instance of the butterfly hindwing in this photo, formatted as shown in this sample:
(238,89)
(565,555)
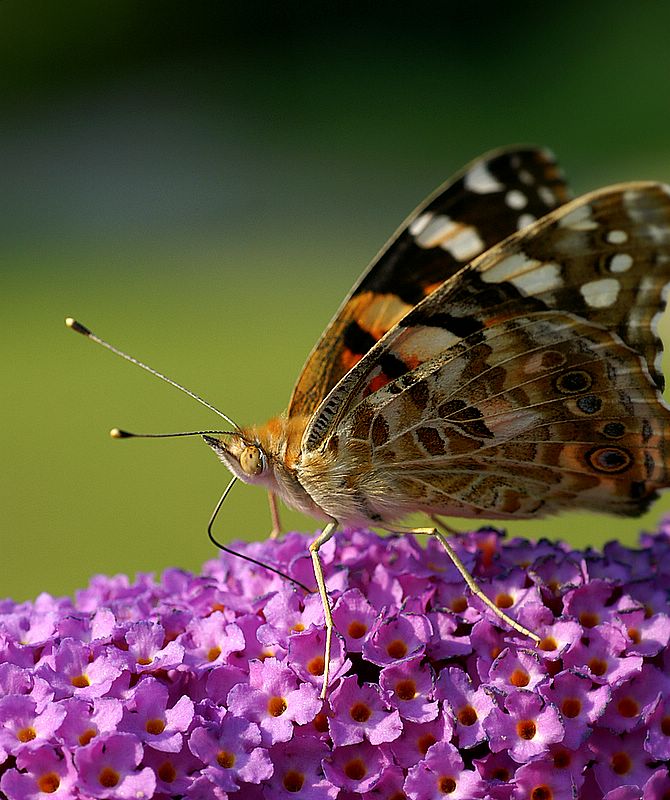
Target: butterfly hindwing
(490,199)
(530,415)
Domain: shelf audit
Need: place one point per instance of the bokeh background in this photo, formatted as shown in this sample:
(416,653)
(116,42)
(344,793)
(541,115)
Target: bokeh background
(201,183)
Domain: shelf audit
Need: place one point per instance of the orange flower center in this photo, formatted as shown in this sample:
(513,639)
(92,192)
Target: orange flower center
(526,729)
(48,783)
(406,690)
(504,600)
(166,772)
(155,726)
(355,769)
(213,653)
(571,707)
(225,759)
(293,781)
(357,629)
(446,784)
(360,712)
(467,716)
(519,678)
(316,665)
(26,734)
(397,648)
(108,777)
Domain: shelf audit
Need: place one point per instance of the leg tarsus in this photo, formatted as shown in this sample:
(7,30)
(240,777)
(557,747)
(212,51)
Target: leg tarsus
(469,580)
(314,547)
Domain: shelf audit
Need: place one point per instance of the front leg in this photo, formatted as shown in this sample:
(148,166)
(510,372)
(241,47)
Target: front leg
(276,530)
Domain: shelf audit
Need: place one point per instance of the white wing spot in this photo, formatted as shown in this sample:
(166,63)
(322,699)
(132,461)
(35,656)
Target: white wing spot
(503,270)
(418,225)
(524,221)
(621,262)
(617,237)
(436,230)
(579,219)
(602,293)
(516,199)
(546,195)
(540,279)
(480,180)
(465,245)
(526,177)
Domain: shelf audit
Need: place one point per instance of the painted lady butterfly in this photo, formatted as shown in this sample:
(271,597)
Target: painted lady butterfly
(499,358)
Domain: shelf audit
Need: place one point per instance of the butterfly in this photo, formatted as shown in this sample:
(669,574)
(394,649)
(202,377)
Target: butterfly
(499,358)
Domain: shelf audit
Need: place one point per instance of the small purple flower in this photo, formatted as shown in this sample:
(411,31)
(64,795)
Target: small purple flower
(354,618)
(657,743)
(634,701)
(442,774)
(517,669)
(358,713)
(147,648)
(417,737)
(174,771)
(580,705)
(357,767)
(152,721)
(85,719)
(231,753)
(600,653)
(109,767)
(408,687)
(527,728)
(40,771)
(468,706)
(537,780)
(306,656)
(210,640)
(298,772)
(647,635)
(22,724)
(274,700)
(75,670)
(619,760)
(398,638)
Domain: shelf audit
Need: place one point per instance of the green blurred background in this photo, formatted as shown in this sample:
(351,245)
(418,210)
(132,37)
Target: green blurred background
(201,183)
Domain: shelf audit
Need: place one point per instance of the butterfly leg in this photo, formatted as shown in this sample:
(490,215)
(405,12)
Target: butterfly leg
(320,540)
(471,582)
(276,531)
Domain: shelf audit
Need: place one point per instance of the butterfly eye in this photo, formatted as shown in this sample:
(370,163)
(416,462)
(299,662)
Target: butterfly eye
(252,460)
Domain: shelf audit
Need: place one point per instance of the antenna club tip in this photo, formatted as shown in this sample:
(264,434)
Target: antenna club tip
(117,433)
(77,326)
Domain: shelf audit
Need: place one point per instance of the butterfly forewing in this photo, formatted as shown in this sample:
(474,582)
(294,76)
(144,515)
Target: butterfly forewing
(490,199)
(527,382)
(538,269)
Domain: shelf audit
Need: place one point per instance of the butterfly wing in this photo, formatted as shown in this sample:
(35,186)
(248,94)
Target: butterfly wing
(490,199)
(533,374)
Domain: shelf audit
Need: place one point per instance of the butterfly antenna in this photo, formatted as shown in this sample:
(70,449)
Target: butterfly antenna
(119,433)
(232,552)
(79,328)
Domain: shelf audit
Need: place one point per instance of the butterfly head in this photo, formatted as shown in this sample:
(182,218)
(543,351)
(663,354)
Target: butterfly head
(244,457)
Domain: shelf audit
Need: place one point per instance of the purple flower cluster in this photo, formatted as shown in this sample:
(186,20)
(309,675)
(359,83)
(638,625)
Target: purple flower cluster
(209,686)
